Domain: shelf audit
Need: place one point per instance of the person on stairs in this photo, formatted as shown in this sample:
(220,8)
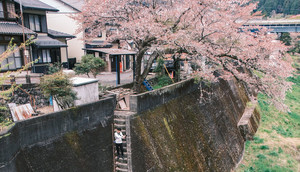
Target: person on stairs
(118,141)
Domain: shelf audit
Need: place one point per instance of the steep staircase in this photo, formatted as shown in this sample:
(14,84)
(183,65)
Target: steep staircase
(121,120)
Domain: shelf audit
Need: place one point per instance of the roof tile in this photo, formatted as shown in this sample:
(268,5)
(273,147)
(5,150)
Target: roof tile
(57,34)
(36,4)
(12,28)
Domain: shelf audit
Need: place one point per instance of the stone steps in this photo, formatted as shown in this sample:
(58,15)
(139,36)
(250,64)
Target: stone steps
(120,121)
(121,160)
(122,126)
(121,165)
(121,169)
(120,117)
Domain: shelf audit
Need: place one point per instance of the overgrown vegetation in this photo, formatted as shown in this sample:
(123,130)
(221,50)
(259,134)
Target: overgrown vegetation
(162,81)
(5,94)
(276,145)
(89,64)
(53,68)
(279,6)
(59,86)
(286,38)
(162,78)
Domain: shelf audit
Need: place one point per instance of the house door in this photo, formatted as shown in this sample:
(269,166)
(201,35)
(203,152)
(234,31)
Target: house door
(55,55)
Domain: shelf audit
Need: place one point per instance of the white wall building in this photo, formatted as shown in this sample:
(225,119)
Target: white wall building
(86,91)
(63,22)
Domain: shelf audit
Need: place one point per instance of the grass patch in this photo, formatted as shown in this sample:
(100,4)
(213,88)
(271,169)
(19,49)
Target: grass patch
(276,144)
(264,147)
(258,140)
(163,80)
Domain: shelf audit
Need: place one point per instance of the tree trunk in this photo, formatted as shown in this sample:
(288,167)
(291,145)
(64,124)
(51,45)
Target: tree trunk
(177,68)
(140,76)
(143,47)
(138,68)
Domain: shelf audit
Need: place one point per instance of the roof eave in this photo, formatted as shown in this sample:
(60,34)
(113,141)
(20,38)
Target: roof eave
(50,46)
(70,5)
(41,9)
(62,36)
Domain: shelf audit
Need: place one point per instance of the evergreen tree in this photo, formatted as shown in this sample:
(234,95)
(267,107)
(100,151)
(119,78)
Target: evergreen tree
(280,6)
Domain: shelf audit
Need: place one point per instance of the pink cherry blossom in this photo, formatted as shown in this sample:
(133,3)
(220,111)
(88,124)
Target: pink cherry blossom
(213,32)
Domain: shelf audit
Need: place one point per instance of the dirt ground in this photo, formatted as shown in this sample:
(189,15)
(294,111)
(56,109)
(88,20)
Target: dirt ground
(45,110)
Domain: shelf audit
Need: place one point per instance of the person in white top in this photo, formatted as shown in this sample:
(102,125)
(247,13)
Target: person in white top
(119,143)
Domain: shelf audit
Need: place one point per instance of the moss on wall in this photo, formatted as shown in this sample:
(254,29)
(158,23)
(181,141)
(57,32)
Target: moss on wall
(186,135)
(90,150)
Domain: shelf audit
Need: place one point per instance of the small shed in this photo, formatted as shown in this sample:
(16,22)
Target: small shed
(86,89)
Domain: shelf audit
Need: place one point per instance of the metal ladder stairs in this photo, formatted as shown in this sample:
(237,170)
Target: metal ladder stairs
(147,85)
(121,120)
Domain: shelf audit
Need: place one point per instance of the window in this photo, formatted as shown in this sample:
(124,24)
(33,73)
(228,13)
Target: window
(34,23)
(44,56)
(10,9)
(1,10)
(12,62)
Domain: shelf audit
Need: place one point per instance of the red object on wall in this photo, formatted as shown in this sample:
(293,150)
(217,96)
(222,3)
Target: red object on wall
(121,67)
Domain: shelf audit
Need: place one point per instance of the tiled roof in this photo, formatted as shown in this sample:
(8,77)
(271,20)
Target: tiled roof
(12,28)
(77,4)
(57,34)
(36,4)
(112,51)
(45,41)
(98,44)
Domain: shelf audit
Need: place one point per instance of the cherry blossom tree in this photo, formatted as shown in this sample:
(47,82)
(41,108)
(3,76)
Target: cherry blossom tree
(213,32)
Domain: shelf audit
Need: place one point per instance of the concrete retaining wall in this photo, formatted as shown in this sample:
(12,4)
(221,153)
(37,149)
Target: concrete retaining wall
(46,128)
(152,99)
(191,128)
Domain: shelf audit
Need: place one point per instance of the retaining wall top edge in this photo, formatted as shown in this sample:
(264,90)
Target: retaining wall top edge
(53,113)
(163,88)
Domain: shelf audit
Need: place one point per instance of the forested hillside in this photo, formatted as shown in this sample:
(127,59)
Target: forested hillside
(279,6)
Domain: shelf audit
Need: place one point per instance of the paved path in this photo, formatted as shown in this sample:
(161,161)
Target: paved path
(109,78)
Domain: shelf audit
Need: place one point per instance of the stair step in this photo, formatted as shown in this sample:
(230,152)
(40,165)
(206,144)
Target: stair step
(122,165)
(123,114)
(122,126)
(121,160)
(119,121)
(121,169)
(120,116)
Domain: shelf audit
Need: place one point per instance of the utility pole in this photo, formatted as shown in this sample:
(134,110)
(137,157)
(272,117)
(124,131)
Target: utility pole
(24,49)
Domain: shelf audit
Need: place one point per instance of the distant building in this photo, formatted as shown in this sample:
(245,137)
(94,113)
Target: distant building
(99,46)
(48,47)
(9,28)
(62,21)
